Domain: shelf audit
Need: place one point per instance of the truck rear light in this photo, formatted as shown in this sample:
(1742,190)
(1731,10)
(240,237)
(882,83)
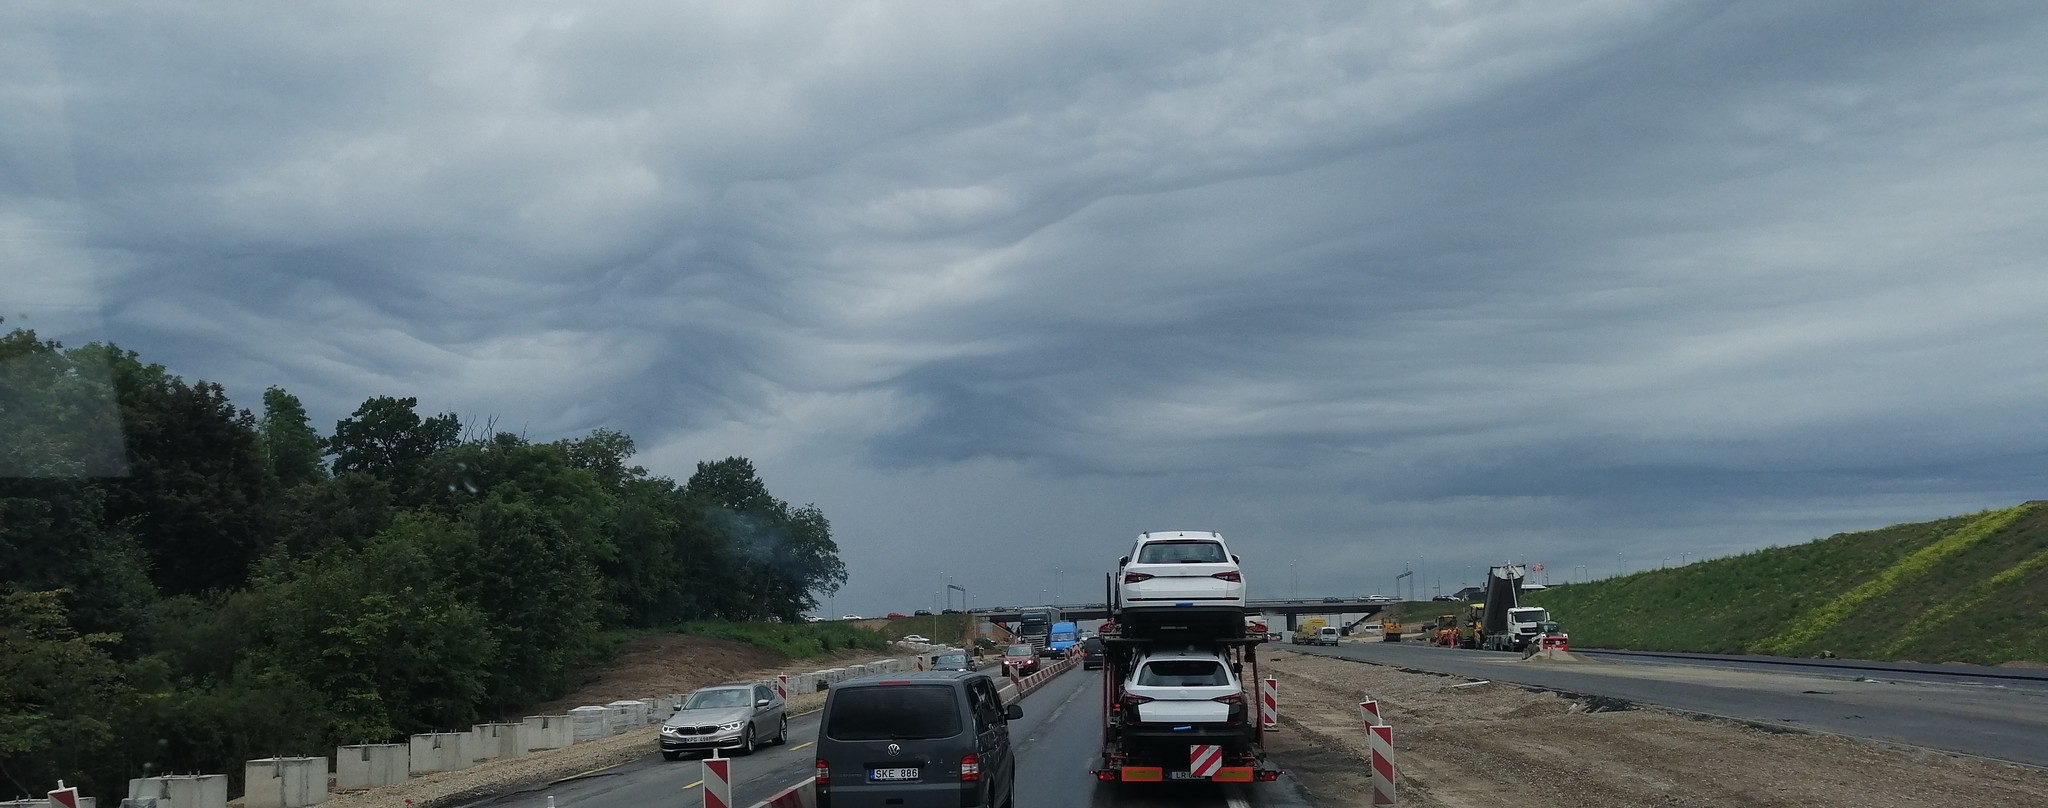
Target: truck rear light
(970,769)
(1134,577)
(1229,576)
(824,773)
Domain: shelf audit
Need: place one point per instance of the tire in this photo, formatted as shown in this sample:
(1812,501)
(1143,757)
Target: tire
(781,731)
(671,756)
(747,745)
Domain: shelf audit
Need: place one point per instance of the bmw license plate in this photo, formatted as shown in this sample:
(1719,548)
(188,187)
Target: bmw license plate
(904,773)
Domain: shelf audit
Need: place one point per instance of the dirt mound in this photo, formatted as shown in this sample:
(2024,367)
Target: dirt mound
(665,663)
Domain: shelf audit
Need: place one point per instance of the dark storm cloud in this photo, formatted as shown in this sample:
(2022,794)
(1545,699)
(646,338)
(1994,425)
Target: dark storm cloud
(1541,280)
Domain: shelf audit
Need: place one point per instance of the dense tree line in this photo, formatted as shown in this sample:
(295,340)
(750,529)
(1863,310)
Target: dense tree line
(185,585)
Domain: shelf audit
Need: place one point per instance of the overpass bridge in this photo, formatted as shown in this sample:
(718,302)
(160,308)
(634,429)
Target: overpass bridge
(1291,608)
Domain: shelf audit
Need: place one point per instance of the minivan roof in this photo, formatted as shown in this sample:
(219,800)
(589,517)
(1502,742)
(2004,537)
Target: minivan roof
(921,677)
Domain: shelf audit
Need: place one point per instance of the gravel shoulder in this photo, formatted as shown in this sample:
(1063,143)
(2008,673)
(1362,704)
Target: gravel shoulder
(1499,744)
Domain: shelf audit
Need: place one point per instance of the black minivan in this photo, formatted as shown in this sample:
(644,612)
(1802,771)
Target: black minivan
(916,740)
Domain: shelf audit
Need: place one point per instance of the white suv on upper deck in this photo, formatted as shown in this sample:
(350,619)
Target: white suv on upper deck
(1180,574)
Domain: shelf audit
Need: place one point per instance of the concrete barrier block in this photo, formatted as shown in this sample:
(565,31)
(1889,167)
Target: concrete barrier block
(499,741)
(652,713)
(440,752)
(364,766)
(621,716)
(183,790)
(293,782)
(83,802)
(589,723)
(549,732)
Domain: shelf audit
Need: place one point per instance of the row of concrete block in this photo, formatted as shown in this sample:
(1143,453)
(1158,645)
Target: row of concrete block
(296,782)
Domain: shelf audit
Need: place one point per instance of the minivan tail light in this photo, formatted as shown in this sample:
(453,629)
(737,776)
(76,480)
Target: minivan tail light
(1134,577)
(970,769)
(1232,576)
(824,776)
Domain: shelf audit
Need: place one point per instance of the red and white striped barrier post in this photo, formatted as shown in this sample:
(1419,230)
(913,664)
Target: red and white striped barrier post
(1204,761)
(1269,703)
(717,782)
(782,685)
(1380,739)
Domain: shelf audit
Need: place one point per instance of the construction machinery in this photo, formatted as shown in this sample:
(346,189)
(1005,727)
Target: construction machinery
(1446,632)
(1390,630)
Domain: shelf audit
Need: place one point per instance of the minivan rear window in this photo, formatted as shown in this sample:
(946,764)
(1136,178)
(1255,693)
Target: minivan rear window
(893,713)
(1182,552)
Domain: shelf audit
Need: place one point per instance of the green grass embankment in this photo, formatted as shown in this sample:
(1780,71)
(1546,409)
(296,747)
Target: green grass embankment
(1963,589)
(796,640)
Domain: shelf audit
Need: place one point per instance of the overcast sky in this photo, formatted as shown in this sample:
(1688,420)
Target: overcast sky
(1363,286)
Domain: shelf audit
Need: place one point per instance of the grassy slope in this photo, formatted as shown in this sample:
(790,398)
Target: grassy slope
(1964,589)
(797,640)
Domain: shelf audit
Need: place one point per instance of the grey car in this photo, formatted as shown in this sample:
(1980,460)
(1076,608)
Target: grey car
(733,716)
(952,661)
(918,740)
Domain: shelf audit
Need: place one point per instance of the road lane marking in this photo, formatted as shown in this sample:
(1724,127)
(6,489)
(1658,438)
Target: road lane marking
(594,771)
(693,785)
(801,745)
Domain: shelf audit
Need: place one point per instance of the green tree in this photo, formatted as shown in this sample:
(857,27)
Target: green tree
(290,445)
(62,696)
(387,438)
(197,493)
(381,634)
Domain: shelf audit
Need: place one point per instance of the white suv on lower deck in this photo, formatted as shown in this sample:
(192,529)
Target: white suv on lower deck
(1192,695)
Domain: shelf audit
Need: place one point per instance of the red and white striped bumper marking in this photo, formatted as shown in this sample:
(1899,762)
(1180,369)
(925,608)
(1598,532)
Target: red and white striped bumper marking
(1204,761)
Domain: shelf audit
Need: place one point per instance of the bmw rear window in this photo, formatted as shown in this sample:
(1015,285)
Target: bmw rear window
(893,713)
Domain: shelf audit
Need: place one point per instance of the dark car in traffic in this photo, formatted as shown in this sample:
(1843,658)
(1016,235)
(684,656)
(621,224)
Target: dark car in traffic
(918,740)
(1091,653)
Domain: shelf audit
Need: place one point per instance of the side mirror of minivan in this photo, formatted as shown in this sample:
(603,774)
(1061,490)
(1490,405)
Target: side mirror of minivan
(1013,712)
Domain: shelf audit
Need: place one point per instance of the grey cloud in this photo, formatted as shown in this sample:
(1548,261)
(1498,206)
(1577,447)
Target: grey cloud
(1566,278)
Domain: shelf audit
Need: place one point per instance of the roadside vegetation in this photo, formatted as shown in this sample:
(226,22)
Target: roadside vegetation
(1963,589)
(186,585)
(795,640)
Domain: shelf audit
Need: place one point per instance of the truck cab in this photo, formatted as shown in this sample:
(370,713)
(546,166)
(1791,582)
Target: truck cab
(1525,624)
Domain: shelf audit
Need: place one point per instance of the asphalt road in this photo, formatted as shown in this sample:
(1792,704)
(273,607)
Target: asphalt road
(1057,743)
(1994,718)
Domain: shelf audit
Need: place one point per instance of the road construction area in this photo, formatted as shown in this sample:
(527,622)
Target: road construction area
(1465,745)
(1058,742)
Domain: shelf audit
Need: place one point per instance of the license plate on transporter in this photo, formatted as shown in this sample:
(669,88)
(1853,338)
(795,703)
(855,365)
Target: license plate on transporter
(1184,776)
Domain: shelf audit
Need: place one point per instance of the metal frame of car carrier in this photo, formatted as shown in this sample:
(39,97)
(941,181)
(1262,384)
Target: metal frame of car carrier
(1129,759)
